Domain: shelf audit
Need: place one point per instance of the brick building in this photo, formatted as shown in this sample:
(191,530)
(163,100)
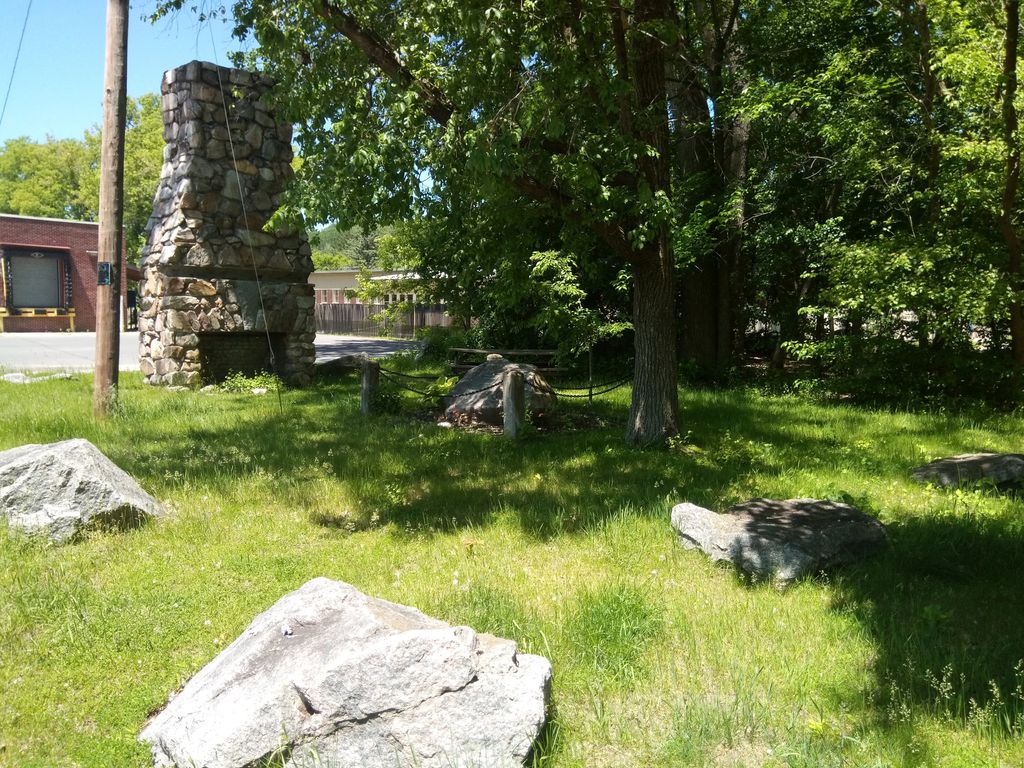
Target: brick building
(48,275)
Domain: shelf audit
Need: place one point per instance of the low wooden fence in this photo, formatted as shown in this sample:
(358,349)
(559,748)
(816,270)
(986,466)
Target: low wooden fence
(362,320)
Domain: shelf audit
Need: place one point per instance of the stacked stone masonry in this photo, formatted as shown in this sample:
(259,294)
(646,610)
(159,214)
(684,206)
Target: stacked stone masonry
(223,172)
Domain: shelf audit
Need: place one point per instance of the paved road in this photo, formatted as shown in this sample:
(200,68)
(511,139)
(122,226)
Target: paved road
(76,351)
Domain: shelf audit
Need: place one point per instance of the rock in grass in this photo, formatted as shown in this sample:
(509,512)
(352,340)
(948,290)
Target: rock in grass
(479,396)
(780,540)
(337,366)
(1004,470)
(328,676)
(58,489)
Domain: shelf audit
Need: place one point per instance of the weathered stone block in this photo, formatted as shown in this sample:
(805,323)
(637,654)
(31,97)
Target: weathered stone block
(199,256)
(178,302)
(176,320)
(781,540)
(59,489)
(255,238)
(330,676)
(203,288)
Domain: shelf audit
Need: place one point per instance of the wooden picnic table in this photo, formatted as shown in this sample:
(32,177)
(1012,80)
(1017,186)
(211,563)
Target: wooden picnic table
(461,360)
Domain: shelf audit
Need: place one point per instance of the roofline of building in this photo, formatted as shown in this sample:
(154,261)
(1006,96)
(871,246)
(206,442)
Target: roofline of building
(395,277)
(341,271)
(47,218)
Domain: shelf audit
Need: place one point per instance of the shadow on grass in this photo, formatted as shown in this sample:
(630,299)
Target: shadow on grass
(319,455)
(395,469)
(945,610)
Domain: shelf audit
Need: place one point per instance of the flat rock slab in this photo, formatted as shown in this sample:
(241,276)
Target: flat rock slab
(478,397)
(1004,470)
(780,540)
(58,489)
(329,676)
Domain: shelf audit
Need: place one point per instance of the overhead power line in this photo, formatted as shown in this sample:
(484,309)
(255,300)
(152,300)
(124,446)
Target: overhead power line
(14,67)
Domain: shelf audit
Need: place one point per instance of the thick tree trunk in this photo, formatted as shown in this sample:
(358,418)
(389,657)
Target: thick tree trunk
(733,324)
(789,323)
(1012,183)
(699,313)
(695,156)
(653,415)
(716,148)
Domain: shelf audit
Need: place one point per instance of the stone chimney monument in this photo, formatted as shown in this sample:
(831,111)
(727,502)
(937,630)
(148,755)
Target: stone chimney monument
(220,294)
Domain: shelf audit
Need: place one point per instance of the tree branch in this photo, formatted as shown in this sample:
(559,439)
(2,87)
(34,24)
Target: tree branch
(618,14)
(441,109)
(611,234)
(435,102)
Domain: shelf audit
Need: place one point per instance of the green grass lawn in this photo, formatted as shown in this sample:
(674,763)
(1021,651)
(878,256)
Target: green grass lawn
(562,542)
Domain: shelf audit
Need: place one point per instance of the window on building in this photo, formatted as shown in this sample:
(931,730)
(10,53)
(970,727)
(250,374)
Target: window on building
(36,279)
(337,297)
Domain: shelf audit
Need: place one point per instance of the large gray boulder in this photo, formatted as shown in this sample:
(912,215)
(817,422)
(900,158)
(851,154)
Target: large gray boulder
(478,397)
(780,540)
(1004,470)
(329,676)
(58,489)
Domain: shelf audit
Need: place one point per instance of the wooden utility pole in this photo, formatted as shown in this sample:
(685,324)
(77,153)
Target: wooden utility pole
(108,288)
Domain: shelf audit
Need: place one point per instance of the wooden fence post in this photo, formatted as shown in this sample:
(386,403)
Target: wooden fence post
(371,378)
(513,402)
(590,377)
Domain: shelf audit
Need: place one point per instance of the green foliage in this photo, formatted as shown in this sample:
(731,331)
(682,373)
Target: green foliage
(353,248)
(829,160)
(143,160)
(60,178)
(239,382)
(437,341)
(563,313)
(437,390)
(44,179)
(882,369)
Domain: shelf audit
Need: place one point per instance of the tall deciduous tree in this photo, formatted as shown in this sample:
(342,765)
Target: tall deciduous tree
(44,178)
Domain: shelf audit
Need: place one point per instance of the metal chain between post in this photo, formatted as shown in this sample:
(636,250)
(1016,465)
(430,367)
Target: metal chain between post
(409,375)
(607,387)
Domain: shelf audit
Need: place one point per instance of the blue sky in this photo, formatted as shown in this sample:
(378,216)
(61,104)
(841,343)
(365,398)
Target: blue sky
(58,83)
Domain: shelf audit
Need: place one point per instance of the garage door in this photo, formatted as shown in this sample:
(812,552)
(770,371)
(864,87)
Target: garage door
(35,281)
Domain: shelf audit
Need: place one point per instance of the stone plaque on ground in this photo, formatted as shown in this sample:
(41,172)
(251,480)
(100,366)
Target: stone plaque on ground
(329,676)
(478,396)
(1004,470)
(58,489)
(780,540)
